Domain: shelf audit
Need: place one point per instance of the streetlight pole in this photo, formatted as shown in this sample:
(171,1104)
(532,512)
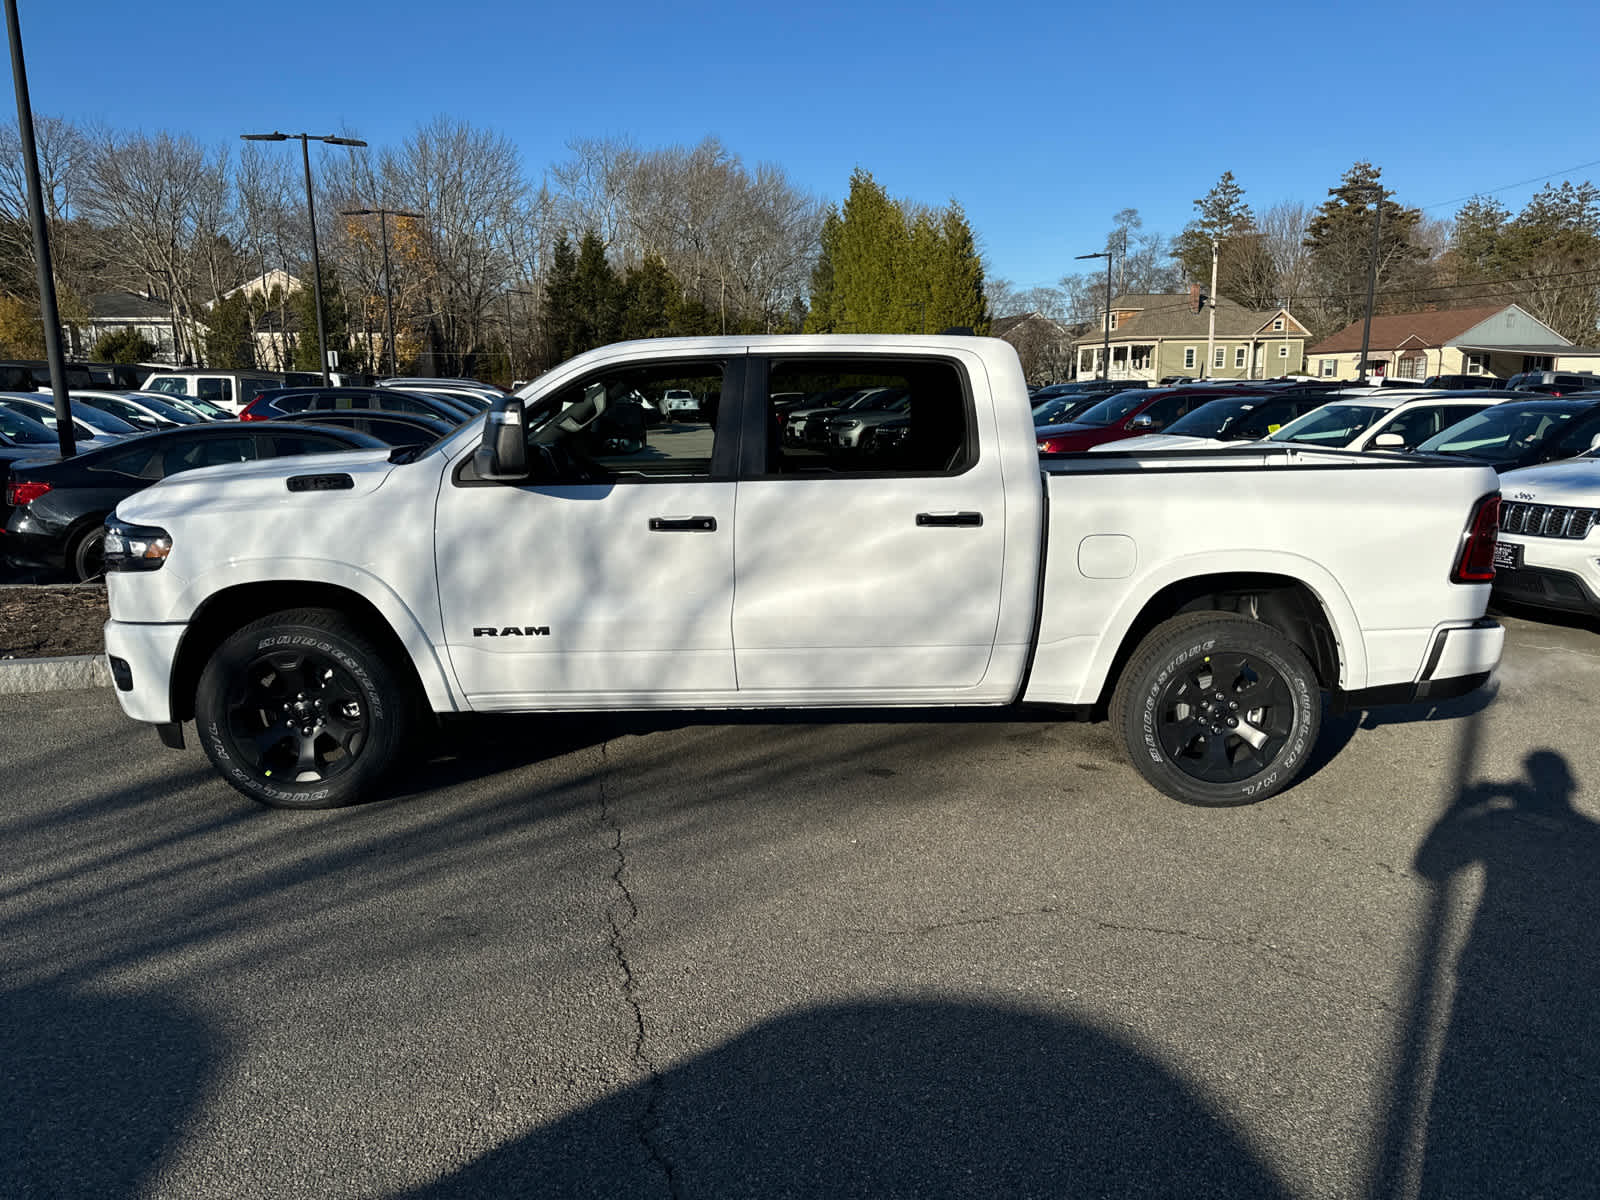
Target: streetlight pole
(388,293)
(1105,347)
(311,213)
(1372,278)
(1211,318)
(49,316)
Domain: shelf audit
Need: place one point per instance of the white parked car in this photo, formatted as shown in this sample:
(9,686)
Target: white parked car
(678,402)
(1391,419)
(88,424)
(1548,555)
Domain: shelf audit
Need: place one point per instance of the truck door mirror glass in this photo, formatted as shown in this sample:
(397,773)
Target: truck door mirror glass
(503,453)
(1389,441)
(1142,421)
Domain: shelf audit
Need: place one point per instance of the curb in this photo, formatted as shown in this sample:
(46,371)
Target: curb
(23,676)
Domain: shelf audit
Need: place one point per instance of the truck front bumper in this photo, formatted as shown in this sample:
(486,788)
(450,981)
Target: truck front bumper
(141,658)
(1460,660)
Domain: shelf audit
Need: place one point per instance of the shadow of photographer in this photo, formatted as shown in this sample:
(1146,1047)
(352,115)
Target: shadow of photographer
(1512,1105)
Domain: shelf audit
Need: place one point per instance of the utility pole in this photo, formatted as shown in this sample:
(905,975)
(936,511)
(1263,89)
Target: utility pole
(49,315)
(1372,279)
(1211,320)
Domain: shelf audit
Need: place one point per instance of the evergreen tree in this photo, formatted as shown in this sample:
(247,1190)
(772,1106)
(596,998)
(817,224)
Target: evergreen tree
(821,316)
(649,294)
(560,304)
(230,341)
(1340,240)
(336,324)
(1245,271)
(123,346)
(596,295)
(886,267)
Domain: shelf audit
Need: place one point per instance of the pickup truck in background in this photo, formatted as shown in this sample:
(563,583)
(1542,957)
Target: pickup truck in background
(310,615)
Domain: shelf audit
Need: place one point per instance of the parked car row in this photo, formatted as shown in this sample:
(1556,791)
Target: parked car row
(53,509)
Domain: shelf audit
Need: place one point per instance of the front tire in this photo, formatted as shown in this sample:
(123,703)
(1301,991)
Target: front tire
(301,710)
(1217,709)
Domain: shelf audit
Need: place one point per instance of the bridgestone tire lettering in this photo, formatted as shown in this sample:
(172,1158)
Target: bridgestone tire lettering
(387,698)
(1175,645)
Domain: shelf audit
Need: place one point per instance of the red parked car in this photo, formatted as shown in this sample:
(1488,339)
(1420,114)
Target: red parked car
(1129,414)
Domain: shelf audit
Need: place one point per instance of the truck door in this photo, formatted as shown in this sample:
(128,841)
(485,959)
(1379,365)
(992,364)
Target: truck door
(868,561)
(607,578)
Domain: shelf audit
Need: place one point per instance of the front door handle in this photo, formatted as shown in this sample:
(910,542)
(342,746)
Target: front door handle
(683,524)
(958,518)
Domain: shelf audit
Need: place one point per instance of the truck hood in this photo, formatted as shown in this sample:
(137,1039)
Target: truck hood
(256,486)
(1572,481)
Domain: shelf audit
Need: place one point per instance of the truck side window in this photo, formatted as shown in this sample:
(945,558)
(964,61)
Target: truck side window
(867,415)
(647,431)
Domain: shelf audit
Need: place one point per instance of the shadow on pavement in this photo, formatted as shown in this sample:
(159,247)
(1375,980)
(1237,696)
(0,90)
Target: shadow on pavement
(1511,1109)
(882,1100)
(94,1091)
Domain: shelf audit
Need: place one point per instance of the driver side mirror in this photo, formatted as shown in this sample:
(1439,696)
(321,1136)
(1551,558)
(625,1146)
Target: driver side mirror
(1389,441)
(1142,421)
(1594,443)
(503,453)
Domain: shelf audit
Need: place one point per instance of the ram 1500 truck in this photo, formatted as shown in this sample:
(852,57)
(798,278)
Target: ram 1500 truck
(310,615)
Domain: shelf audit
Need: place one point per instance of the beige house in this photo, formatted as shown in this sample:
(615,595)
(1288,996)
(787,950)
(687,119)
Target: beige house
(1154,337)
(1498,340)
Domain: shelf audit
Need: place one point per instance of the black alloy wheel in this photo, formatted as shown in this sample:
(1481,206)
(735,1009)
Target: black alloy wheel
(87,561)
(301,710)
(1218,709)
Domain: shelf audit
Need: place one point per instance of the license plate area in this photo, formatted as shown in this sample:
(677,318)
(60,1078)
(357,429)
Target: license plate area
(1508,556)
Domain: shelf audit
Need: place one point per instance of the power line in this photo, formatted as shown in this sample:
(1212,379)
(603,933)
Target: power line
(1510,186)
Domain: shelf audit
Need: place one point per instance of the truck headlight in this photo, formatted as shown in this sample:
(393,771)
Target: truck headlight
(135,547)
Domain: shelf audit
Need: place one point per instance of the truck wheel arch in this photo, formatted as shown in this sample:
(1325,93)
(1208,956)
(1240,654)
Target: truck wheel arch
(1283,602)
(231,608)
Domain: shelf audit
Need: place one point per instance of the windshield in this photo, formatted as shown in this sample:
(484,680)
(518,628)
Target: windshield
(1504,431)
(1331,425)
(1114,408)
(1211,420)
(1060,409)
(23,431)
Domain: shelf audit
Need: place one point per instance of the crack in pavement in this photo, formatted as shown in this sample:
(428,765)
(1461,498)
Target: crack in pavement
(650,1122)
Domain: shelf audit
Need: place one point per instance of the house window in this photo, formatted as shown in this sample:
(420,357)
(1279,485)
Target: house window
(1537,362)
(1328,367)
(1277,325)
(1141,357)
(1113,322)
(1476,363)
(1219,356)
(1238,356)
(1283,350)
(1413,365)
(1188,358)
(1085,361)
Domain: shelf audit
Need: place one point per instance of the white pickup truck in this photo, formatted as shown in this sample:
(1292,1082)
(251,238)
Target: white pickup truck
(310,614)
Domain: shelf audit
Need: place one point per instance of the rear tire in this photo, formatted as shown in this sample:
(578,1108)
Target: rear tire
(87,558)
(301,710)
(1218,709)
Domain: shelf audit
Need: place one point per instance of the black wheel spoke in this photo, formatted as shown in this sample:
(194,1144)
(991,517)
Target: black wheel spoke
(346,733)
(300,713)
(1217,764)
(271,738)
(1225,717)
(306,762)
(1177,736)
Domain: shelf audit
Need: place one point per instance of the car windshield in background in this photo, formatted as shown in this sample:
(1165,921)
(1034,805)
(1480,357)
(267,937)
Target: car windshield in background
(1060,409)
(1213,419)
(1506,429)
(1114,408)
(1333,425)
(23,431)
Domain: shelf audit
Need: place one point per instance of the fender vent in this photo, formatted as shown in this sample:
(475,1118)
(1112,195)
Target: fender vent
(321,483)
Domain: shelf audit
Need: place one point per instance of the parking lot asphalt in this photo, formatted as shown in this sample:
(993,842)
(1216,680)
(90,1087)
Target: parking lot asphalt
(958,956)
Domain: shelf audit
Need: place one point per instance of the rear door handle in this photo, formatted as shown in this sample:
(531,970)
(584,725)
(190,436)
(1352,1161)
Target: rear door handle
(959,518)
(683,524)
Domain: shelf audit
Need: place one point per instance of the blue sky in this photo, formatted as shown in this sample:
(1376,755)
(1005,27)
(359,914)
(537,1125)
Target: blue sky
(1041,119)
